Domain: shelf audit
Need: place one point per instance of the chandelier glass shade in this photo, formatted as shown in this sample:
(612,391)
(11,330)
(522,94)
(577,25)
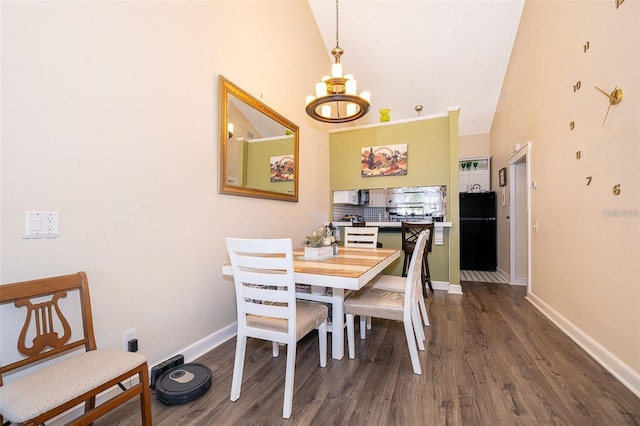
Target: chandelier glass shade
(336,99)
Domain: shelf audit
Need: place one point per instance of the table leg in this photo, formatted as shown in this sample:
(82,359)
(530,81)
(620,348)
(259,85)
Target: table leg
(337,318)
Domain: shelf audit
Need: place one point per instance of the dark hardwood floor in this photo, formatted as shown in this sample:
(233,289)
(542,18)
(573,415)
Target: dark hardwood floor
(491,359)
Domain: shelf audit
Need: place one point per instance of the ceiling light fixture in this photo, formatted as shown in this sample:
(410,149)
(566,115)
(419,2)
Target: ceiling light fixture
(336,100)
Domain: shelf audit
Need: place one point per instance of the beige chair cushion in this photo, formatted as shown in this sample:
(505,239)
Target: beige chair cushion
(309,316)
(372,302)
(27,397)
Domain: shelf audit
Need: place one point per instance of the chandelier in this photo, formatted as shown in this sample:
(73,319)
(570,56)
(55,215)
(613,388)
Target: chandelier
(336,100)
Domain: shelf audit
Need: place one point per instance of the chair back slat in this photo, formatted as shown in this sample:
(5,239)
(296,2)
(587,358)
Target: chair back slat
(361,237)
(264,294)
(267,310)
(46,331)
(40,318)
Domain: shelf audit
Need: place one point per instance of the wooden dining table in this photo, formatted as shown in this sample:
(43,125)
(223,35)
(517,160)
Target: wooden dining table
(350,269)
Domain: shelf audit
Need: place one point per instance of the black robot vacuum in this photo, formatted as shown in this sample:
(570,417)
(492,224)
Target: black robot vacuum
(183,383)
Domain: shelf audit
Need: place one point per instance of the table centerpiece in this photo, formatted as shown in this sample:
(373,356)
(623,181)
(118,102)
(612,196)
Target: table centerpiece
(320,244)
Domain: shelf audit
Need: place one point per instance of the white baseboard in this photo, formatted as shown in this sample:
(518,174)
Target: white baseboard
(449,288)
(440,285)
(621,371)
(507,278)
(446,286)
(204,345)
(455,289)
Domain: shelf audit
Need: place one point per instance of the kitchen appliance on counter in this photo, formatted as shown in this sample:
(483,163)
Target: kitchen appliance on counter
(478,231)
(352,218)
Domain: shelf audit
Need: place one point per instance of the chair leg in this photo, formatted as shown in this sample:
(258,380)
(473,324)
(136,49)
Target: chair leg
(423,311)
(417,327)
(427,272)
(322,343)
(405,263)
(423,276)
(238,366)
(350,336)
(145,397)
(411,342)
(288,381)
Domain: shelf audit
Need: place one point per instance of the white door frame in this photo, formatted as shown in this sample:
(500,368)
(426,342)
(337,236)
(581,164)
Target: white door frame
(522,154)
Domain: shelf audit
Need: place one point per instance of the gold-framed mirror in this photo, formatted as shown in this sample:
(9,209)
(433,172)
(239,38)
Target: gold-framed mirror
(258,147)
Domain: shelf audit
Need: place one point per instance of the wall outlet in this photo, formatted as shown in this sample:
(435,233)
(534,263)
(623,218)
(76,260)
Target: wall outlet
(40,225)
(126,336)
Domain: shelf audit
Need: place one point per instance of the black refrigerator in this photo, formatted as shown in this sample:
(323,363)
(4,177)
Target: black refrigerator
(478,231)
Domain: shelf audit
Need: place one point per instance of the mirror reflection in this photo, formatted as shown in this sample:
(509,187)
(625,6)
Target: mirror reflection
(258,147)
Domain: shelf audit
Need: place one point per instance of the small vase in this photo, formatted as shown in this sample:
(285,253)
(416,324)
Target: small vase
(384,115)
(318,252)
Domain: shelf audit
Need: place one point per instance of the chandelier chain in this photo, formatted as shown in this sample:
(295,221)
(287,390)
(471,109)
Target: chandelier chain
(337,26)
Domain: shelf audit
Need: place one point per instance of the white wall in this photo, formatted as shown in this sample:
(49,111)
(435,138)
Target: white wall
(109,116)
(585,271)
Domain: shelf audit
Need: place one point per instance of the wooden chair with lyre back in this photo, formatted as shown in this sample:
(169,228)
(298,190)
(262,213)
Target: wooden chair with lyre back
(65,382)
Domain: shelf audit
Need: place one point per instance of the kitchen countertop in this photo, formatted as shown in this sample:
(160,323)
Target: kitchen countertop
(390,224)
(438,235)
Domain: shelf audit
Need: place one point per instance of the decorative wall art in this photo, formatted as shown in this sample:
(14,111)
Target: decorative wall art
(502,176)
(282,168)
(389,160)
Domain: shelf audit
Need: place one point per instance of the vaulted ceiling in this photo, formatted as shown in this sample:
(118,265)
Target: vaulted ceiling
(434,53)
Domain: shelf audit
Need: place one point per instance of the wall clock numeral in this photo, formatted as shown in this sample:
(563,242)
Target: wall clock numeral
(588,180)
(577,86)
(616,189)
(585,47)
(578,155)
(572,125)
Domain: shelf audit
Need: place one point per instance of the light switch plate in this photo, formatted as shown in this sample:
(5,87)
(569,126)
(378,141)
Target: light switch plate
(38,224)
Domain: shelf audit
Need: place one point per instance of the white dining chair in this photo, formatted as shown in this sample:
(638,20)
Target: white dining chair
(361,237)
(267,306)
(393,305)
(396,283)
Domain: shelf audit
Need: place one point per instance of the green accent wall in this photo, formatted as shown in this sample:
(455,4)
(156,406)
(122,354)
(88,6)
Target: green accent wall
(453,203)
(257,163)
(427,154)
(432,159)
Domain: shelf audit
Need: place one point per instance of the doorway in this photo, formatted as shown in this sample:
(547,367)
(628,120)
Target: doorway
(520,216)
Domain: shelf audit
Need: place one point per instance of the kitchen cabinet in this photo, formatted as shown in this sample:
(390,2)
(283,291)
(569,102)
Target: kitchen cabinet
(345,197)
(379,198)
(475,174)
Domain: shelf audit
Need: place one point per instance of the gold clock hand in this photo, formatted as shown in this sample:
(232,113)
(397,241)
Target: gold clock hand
(615,97)
(605,116)
(611,98)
